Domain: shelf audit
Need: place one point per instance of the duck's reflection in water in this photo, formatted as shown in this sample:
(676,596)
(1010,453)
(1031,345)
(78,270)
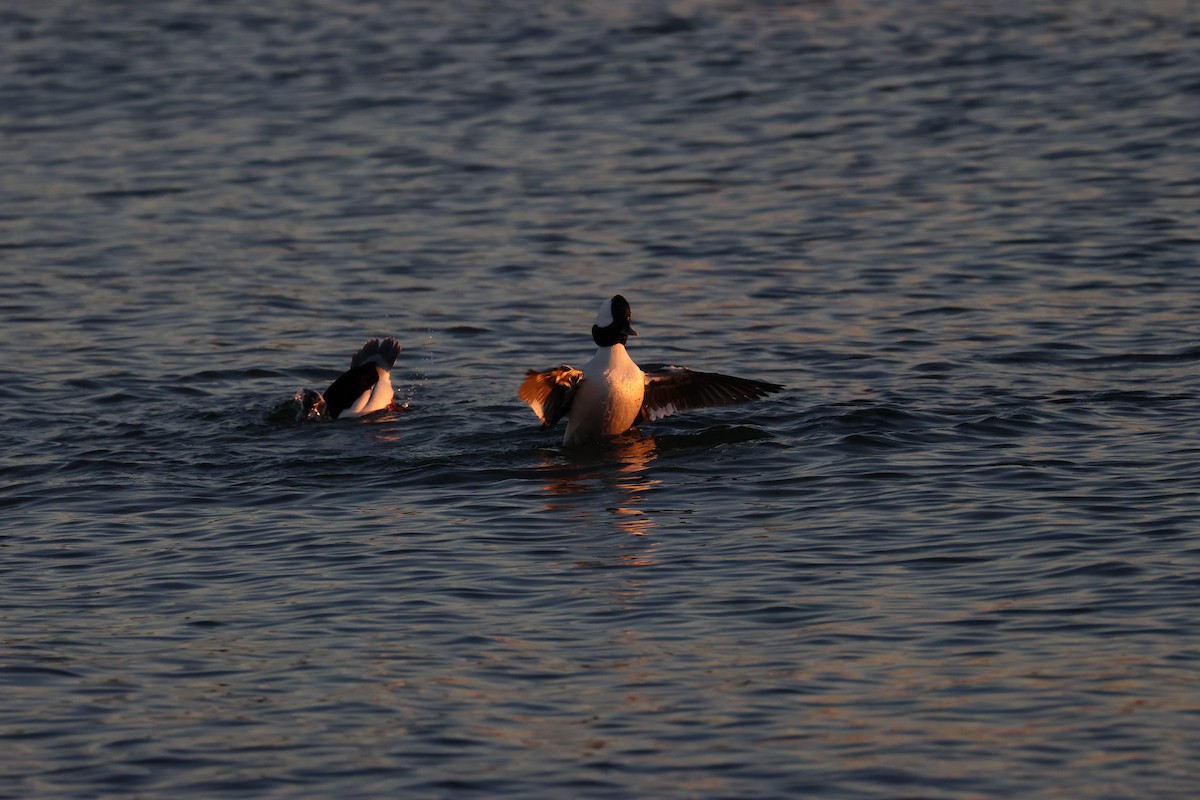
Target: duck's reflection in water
(604,487)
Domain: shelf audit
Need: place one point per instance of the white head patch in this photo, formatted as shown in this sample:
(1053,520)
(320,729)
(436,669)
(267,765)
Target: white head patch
(605,318)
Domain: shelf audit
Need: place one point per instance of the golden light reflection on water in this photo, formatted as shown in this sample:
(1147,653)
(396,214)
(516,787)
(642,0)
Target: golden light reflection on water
(620,467)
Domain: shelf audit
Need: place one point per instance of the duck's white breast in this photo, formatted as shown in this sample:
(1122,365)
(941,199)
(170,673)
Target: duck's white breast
(609,397)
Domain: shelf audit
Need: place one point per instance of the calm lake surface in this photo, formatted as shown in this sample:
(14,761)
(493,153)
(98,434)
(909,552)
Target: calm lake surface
(959,557)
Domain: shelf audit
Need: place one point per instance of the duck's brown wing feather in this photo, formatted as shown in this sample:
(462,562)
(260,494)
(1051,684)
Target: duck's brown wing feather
(549,393)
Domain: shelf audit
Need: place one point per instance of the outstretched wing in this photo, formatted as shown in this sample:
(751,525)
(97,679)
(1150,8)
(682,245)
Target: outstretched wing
(670,389)
(549,393)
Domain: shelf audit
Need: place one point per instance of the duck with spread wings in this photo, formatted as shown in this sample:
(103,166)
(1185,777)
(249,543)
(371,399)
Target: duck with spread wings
(611,393)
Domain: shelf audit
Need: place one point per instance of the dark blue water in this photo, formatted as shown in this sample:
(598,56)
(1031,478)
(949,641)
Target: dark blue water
(957,558)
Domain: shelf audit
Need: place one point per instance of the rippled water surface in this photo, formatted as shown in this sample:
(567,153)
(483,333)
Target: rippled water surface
(956,558)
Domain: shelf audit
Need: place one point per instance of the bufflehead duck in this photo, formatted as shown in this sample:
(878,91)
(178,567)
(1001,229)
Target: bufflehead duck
(611,394)
(363,389)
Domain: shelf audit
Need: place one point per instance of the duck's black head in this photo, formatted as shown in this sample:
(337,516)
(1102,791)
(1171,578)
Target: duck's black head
(612,323)
(312,406)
